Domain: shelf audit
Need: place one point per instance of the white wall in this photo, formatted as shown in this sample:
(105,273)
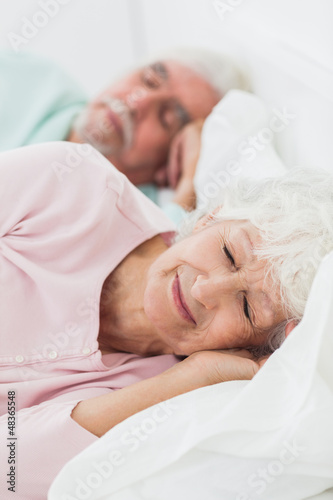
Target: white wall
(302,26)
(92,39)
(97,39)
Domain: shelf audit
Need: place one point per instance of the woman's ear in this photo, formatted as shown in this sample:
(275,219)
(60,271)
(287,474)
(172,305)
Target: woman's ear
(290,326)
(206,219)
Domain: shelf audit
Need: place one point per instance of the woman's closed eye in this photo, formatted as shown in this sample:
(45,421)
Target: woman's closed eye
(246,308)
(229,256)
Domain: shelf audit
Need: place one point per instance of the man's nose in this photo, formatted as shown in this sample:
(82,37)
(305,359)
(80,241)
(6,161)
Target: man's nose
(141,102)
(211,290)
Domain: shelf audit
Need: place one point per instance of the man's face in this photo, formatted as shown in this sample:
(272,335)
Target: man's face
(209,291)
(133,121)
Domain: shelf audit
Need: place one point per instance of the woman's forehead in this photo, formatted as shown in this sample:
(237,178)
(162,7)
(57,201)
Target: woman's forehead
(242,229)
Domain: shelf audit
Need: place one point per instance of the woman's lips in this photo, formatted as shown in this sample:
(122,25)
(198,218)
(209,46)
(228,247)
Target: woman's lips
(180,302)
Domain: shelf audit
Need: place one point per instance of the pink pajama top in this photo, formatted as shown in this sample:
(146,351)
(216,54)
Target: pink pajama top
(67,219)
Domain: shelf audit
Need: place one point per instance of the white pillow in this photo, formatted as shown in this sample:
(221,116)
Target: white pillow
(237,140)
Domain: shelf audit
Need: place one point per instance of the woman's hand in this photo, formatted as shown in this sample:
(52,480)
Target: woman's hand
(212,367)
(100,414)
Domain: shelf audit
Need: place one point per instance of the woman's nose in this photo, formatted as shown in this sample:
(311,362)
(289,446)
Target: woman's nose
(210,290)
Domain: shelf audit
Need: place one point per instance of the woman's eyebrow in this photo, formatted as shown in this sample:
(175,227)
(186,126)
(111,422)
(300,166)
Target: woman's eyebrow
(241,250)
(248,243)
(268,316)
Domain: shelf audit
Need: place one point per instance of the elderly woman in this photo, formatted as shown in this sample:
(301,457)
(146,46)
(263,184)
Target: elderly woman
(94,298)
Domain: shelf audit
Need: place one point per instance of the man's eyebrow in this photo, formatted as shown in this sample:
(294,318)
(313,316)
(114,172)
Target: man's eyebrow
(161,70)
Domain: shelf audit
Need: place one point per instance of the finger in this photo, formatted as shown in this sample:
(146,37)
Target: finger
(175,161)
(237,351)
(161,177)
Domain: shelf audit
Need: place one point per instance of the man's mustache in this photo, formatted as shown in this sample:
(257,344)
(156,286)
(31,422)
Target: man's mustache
(120,108)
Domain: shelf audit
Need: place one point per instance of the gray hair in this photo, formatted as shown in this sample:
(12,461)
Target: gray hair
(294,217)
(214,67)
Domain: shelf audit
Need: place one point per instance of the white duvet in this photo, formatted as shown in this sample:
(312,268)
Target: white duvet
(271,438)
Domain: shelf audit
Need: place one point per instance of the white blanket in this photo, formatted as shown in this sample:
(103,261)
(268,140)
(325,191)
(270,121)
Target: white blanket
(271,438)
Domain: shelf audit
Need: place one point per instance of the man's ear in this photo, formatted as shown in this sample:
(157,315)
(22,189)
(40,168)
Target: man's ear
(290,326)
(206,219)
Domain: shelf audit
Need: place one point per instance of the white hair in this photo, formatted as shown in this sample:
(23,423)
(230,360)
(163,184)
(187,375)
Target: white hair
(214,67)
(294,217)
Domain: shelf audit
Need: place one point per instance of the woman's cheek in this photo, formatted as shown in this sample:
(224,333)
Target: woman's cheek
(154,303)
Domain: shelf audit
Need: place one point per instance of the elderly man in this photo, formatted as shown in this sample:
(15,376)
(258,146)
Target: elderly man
(133,122)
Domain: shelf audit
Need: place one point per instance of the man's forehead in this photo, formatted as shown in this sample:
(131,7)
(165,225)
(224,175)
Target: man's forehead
(193,92)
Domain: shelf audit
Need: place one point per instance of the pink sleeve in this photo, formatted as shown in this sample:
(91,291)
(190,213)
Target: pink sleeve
(47,437)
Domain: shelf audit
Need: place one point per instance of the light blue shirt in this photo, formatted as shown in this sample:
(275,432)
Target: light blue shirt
(38,101)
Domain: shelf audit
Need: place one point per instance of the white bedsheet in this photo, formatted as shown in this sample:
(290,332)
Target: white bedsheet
(271,438)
